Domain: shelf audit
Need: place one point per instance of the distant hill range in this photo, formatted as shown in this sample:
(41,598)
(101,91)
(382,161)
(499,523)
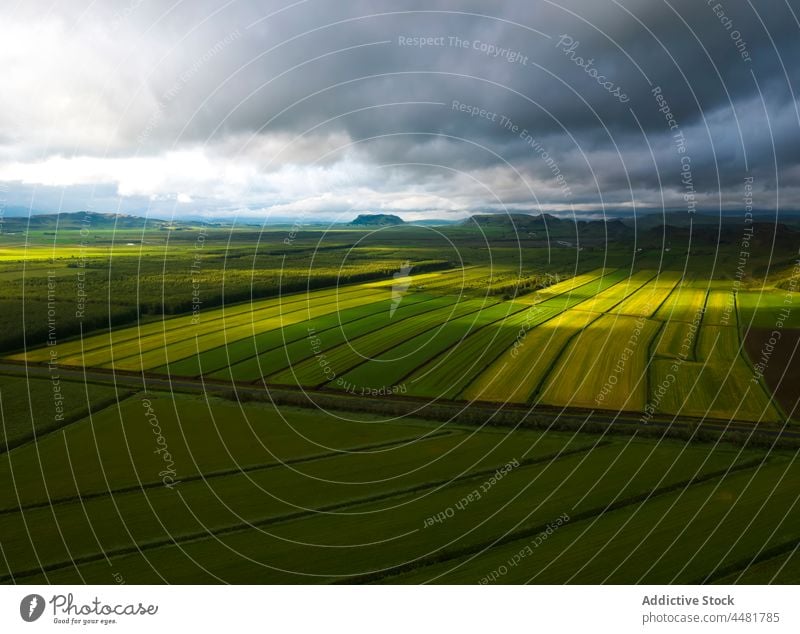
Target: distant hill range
(646,231)
(377,220)
(90,220)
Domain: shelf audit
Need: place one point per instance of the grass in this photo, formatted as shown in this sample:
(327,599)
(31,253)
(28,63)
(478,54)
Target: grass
(217,502)
(607,299)
(116,447)
(515,375)
(677,538)
(34,407)
(321,340)
(391,367)
(650,297)
(720,343)
(676,339)
(722,390)
(346,356)
(762,309)
(449,373)
(345,544)
(684,304)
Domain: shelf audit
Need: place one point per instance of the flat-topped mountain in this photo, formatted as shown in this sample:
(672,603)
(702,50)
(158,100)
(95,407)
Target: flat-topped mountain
(377,220)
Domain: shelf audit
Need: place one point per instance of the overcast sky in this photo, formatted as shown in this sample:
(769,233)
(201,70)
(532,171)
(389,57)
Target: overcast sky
(326,109)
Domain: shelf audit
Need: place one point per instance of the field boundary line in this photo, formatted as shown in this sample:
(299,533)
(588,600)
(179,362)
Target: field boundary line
(542,304)
(94,408)
(740,565)
(222,473)
(557,358)
(514,536)
(286,342)
(393,345)
(287,517)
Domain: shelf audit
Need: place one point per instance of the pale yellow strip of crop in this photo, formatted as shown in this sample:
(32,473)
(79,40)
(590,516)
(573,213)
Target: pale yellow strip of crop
(645,301)
(720,309)
(566,286)
(685,304)
(604,366)
(517,373)
(212,319)
(608,298)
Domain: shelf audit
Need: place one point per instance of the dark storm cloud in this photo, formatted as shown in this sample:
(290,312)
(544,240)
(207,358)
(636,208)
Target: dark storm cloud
(352,80)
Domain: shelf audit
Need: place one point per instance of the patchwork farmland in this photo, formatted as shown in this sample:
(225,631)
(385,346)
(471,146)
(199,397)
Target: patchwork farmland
(647,342)
(208,487)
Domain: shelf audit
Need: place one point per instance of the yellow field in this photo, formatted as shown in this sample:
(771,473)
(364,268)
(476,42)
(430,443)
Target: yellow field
(562,287)
(518,372)
(685,304)
(677,339)
(604,366)
(645,301)
(720,309)
(720,343)
(607,299)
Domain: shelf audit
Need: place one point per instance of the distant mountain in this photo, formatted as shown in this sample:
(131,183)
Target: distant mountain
(377,220)
(81,220)
(522,222)
(765,236)
(546,228)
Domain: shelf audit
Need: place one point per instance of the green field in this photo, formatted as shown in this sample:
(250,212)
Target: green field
(260,497)
(358,406)
(598,340)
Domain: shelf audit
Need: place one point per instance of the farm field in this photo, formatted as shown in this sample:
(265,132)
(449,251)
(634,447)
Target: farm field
(30,408)
(288,497)
(387,454)
(598,340)
(662,540)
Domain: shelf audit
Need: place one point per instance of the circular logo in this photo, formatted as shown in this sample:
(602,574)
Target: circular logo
(31,607)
